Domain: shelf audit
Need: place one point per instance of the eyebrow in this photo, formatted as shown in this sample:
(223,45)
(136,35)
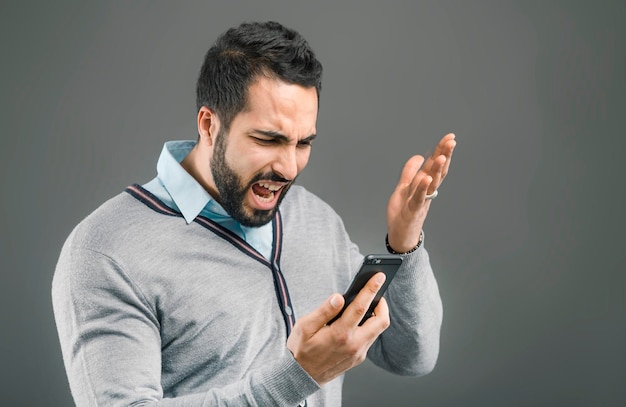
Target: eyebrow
(281,137)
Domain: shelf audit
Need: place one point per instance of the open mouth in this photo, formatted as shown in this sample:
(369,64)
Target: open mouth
(266,192)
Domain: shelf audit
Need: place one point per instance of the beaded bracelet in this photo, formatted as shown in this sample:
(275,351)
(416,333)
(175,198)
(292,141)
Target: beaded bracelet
(390,250)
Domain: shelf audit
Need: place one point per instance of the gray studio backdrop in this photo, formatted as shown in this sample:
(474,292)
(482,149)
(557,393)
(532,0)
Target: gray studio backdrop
(526,236)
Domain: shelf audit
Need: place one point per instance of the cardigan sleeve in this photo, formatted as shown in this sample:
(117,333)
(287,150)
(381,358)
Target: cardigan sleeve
(410,346)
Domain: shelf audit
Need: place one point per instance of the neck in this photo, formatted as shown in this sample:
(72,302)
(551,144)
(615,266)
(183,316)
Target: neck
(196,163)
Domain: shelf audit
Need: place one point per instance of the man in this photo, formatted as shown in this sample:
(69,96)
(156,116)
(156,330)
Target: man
(185,291)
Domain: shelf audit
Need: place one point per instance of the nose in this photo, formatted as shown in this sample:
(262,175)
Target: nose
(286,163)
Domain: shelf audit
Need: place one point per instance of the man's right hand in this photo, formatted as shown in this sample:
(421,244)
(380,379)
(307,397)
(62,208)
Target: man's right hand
(327,351)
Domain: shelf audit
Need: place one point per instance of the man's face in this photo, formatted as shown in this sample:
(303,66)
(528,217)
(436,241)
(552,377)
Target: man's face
(267,146)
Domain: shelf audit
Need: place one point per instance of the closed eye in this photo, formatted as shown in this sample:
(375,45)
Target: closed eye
(307,142)
(265,141)
(268,138)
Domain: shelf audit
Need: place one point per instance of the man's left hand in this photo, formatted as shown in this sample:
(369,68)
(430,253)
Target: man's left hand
(408,205)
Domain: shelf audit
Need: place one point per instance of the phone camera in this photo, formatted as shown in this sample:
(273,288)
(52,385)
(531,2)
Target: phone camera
(376,261)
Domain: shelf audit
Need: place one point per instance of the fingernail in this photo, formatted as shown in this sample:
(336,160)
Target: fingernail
(380,278)
(335,301)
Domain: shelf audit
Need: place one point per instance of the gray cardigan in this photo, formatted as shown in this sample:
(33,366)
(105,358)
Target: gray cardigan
(150,309)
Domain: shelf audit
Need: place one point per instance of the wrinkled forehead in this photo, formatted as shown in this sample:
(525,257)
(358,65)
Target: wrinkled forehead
(278,105)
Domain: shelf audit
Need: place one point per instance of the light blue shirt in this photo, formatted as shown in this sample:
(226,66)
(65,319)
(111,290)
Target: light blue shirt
(180,191)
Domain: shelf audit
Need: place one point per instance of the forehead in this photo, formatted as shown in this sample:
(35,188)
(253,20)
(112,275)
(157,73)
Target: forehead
(276,105)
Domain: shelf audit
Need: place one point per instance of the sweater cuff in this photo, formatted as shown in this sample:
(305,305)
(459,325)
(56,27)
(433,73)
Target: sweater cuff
(287,383)
(417,263)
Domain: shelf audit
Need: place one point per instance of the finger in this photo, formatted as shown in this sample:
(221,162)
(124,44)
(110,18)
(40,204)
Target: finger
(313,322)
(419,195)
(442,148)
(443,145)
(411,168)
(450,145)
(379,321)
(355,312)
(437,173)
(382,309)
(438,165)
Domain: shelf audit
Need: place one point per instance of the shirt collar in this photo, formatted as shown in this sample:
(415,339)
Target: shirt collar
(188,195)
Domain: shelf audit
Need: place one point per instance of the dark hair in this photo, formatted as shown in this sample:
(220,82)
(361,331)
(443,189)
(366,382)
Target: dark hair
(243,53)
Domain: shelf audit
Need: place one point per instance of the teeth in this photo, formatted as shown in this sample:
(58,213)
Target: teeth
(271,187)
(266,199)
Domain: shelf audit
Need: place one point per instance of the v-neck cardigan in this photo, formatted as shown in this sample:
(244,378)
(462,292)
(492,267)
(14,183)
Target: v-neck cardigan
(152,309)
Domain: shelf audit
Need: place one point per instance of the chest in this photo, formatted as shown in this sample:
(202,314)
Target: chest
(217,303)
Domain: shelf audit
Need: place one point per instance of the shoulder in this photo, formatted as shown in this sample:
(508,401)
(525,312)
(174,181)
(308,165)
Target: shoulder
(303,208)
(116,221)
(299,199)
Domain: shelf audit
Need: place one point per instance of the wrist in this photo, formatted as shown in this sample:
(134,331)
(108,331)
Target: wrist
(393,251)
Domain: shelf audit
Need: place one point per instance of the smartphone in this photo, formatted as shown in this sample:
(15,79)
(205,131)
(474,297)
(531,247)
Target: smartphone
(372,264)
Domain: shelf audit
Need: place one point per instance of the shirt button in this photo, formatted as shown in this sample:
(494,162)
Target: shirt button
(288,310)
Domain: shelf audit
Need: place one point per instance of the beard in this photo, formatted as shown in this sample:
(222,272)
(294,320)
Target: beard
(233,191)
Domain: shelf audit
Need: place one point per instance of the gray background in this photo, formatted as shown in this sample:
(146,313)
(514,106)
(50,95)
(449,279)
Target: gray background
(526,236)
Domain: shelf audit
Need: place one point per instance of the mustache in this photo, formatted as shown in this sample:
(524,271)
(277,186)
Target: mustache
(269,176)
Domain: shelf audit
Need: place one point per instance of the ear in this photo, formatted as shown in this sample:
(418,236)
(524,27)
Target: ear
(208,125)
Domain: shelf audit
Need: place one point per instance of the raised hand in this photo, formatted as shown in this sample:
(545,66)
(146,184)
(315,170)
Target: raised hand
(409,203)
